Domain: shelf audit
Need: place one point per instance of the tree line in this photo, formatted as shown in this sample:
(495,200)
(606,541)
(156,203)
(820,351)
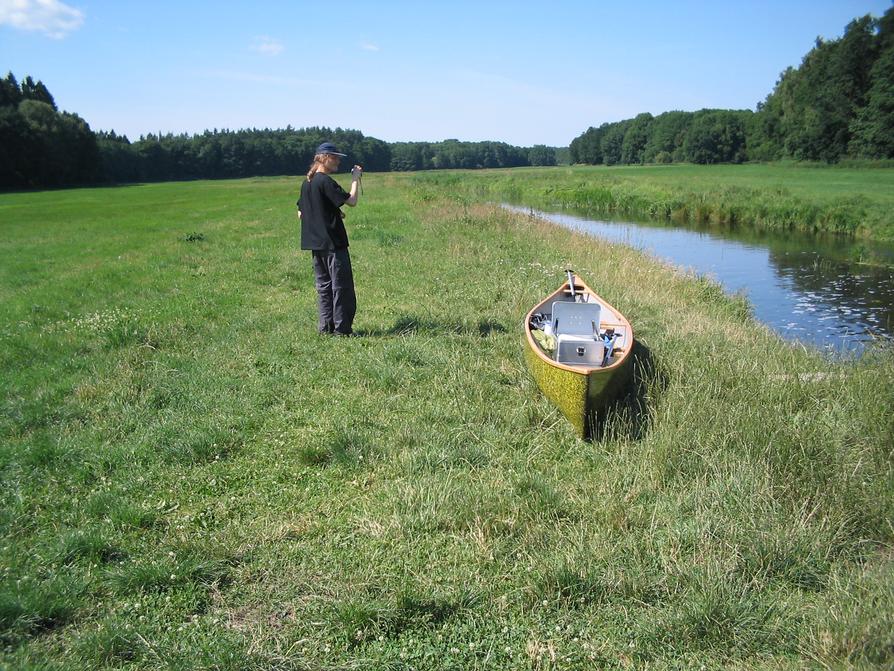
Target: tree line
(244,153)
(43,147)
(839,103)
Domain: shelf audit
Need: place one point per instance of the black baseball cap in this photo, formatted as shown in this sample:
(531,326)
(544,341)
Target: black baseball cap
(329,148)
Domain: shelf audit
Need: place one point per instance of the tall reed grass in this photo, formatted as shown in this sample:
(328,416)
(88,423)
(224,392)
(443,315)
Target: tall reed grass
(853,201)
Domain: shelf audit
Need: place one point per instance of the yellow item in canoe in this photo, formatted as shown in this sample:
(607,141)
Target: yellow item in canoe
(547,342)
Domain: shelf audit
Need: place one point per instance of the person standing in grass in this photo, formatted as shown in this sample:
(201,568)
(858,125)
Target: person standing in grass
(323,234)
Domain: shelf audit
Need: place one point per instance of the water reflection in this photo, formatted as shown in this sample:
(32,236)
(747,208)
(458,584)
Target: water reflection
(807,288)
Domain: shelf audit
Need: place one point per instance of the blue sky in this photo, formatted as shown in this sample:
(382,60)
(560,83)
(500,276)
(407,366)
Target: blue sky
(521,72)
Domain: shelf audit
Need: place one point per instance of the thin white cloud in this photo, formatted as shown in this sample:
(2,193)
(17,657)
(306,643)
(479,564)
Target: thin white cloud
(269,46)
(52,18)
(369,46)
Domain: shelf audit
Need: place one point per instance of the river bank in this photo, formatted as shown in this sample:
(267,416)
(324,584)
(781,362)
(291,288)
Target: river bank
(776,197)
(190,473)
(805,287)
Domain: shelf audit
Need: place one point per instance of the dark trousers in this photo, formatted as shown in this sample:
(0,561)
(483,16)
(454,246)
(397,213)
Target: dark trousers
(334,281)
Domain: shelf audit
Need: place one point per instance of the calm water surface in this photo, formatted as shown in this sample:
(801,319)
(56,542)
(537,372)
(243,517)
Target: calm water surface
(806,288)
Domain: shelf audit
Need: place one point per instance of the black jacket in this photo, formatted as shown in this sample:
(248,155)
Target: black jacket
(322,225)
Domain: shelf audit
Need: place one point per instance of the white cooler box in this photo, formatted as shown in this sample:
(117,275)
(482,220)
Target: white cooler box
(579,349)
(575,325)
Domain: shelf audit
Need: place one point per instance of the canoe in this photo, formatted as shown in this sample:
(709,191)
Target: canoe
(581,390)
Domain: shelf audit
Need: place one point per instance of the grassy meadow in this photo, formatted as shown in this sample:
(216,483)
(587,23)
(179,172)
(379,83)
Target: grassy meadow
(192,478)
(855,201)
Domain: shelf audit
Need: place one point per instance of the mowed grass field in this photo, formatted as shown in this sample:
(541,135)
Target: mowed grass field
(192,478)
(775,197)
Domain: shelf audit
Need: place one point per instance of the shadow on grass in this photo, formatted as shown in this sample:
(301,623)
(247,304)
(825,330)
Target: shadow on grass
(347,449)
(629,416)
(363,620)
(413,325)
(33,607)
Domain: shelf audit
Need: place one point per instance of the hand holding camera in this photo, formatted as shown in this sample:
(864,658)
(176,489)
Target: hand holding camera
(356,172)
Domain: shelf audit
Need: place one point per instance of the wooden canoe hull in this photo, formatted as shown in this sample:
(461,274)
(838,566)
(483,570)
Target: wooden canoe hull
(581,393)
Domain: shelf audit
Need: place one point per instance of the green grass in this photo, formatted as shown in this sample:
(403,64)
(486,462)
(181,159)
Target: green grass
(777,197)
(190,477)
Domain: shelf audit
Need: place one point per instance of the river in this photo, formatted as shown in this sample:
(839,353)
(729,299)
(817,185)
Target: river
(806,288)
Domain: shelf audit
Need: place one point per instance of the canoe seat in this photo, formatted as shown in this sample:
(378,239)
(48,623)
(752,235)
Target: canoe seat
(581,319)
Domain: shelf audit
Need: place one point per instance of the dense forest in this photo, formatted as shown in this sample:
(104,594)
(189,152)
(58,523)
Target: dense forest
(41,146)
(838,104)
